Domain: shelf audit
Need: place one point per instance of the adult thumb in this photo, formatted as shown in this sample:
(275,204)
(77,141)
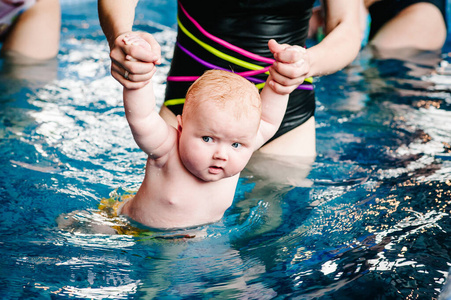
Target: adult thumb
(275,47)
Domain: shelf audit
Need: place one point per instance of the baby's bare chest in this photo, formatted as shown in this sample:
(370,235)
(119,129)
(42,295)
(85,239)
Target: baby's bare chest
(180,190)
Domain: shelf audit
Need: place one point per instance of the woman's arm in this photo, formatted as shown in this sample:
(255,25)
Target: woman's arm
(342,41)
(116,17)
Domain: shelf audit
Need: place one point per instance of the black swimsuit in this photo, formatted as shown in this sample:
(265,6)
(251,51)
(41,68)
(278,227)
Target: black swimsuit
(248,24)
(383,11)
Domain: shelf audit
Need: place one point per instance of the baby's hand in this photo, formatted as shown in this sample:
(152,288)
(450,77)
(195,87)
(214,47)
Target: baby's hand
(137,72)
(135,44)
(132,39)
(290,68)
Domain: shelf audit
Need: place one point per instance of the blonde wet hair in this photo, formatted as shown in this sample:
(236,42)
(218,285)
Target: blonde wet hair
(229,91)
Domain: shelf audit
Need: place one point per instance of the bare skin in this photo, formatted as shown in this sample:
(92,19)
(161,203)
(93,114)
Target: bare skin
(36,32)
(419,26)
(193,168)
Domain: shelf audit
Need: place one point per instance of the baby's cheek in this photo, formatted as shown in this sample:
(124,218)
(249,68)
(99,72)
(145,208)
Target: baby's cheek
(243,160)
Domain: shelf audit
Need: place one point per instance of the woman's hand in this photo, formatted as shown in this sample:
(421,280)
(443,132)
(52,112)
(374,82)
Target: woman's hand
(290,68)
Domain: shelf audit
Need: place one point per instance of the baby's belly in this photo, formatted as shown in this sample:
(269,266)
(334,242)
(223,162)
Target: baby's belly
(177,205)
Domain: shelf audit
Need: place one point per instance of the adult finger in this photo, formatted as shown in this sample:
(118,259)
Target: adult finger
(291,70)
(136,67)
(284,80)
(281,89)
(135,71)
(126,82)
(275,47)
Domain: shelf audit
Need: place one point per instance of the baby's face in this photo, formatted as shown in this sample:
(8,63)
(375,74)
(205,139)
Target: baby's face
(214,144)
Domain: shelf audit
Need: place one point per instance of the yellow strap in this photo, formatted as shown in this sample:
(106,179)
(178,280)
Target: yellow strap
(177,101)
(224,56)
(260,85)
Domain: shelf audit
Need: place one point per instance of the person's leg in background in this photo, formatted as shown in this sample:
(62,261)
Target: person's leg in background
(419,26)
(36,32)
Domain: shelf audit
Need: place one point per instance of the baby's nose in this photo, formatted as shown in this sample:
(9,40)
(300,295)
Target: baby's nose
(220,153)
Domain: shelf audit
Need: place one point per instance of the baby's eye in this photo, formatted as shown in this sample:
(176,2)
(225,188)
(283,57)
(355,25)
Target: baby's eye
(207,139)
(236,145)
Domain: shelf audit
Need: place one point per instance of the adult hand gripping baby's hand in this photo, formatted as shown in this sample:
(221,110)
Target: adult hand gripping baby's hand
(134,66)
(290,68)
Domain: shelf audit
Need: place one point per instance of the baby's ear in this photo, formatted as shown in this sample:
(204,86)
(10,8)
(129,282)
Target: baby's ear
(179,123)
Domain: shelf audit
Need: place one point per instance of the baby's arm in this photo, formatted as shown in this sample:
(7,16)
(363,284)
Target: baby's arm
(285,75)
(152,134)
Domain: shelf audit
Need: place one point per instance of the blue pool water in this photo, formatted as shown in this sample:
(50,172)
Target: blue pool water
(370,221)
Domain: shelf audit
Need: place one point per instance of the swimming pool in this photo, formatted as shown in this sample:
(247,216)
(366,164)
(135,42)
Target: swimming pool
(370,221)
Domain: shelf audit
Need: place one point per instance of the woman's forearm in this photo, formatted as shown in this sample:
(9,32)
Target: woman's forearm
(116,17)
(330,56)
(342,42)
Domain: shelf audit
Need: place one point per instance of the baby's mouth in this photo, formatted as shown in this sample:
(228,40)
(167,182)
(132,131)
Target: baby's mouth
(215,169)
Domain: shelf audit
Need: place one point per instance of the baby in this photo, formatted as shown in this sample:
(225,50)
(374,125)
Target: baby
(192,170)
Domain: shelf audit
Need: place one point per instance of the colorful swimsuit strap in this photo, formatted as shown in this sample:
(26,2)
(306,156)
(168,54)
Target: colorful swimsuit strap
(227,45)
(224,43)
(218,53)
(177,101)
(246,74)
(210,66)
(256,69)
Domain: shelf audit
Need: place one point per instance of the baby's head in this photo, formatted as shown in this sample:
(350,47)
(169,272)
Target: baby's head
(219,125)
(228,92)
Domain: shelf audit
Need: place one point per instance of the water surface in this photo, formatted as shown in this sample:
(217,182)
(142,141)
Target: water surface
(369,219)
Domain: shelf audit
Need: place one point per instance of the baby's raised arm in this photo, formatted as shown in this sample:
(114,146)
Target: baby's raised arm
(285,75)
(152,134)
